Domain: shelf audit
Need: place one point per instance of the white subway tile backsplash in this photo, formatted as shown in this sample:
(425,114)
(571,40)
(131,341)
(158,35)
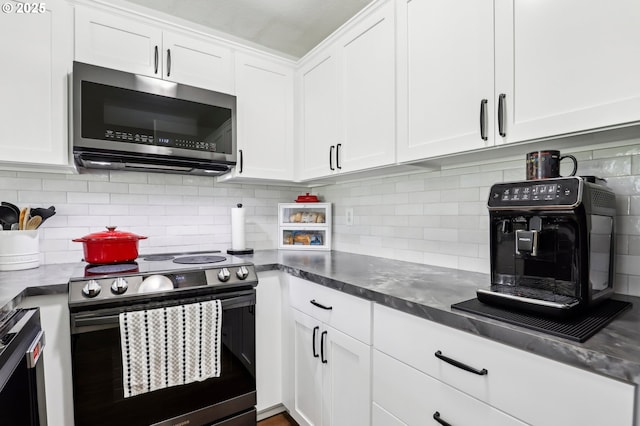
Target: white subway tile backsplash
(109,187)
(433,217)
(50,184)
(23,184)
(88,198)
(41,198)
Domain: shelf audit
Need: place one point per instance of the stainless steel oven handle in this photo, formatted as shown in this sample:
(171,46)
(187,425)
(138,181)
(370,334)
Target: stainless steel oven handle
(112,320)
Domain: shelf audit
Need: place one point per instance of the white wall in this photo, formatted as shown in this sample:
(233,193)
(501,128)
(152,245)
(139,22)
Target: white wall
(175,212)
(441,218)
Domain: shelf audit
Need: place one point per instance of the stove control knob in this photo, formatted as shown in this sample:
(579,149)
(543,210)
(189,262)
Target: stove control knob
(242,272)
(91,289)
(224,275)
(119,285)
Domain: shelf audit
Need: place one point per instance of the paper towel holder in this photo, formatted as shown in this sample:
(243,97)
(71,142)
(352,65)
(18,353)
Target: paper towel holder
(239,251)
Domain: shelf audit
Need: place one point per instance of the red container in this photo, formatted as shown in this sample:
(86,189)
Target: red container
(307,198)
(110,246)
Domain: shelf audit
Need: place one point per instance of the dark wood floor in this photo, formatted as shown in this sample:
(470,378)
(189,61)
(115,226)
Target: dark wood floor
(282,419)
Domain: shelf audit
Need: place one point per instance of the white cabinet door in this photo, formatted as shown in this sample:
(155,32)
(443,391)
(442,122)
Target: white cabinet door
(264,91)
(320,115)
(445,77)
(418,399)
(368,81)
(307,375)
(268,340)
(567,66)
(127,44)
(197,62)
(37,54)
(114,41)
(346,380)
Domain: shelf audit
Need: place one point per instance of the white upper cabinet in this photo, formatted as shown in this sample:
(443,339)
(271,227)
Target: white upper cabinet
(445,77)
(368,102)
(320,115)
(347,100)
(567,66)
(197,62)
(37,53)
(264,91)
(127,44)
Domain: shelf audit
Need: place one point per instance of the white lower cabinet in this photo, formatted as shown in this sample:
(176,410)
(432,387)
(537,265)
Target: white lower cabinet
(331,375)
(54,318)
(533,389)
(410,397)
(269,307)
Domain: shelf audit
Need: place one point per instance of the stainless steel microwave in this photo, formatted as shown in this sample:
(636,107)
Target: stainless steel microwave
(132,122)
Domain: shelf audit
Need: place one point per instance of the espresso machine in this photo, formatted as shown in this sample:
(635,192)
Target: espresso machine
(551,245)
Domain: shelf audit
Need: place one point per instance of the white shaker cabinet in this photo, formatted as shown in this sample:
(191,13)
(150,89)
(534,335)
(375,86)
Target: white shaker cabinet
(331,356)
(566,66)
(445,77)
(320,117)
(347,101)
(499,380)
(138,46)
(368,101)
(264,91)
(36,52)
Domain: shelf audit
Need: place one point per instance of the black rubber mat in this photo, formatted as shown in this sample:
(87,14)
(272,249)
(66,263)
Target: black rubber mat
(578,328)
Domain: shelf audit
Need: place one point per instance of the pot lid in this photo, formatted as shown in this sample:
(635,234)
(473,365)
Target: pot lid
(307,198)
(110,235)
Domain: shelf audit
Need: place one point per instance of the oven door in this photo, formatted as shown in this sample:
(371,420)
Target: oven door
(97,372)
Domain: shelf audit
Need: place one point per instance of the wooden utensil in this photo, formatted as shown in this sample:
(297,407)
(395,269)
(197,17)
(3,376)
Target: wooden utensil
(34,222)
(23,213)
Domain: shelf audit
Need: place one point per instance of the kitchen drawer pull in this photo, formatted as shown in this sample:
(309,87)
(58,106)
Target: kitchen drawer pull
(501,107)
(315,331)
(483,119)
(331,157)
(437,418)
(322,339)
(458,364)
(155,59)
(168,62)
(320,305)
(338,156)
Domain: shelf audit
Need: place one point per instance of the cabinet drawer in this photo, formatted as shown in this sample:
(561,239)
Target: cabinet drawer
(347,313)
(514,377)
(414,397)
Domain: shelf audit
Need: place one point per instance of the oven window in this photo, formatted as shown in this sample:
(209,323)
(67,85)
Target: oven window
(129,116)
(98,388)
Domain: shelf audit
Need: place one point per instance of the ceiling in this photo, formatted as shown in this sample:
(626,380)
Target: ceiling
(292,27)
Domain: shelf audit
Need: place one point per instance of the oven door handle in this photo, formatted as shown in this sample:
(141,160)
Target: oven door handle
(112,319)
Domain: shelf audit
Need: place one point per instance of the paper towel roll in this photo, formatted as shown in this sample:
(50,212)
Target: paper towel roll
(237,228)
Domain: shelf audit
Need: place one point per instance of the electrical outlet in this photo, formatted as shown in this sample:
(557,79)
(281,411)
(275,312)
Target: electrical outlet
(349,216)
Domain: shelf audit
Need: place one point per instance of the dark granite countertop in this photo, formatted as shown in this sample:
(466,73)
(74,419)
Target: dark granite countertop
(423,290)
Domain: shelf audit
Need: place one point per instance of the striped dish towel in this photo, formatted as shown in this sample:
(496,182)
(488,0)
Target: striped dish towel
(170,346)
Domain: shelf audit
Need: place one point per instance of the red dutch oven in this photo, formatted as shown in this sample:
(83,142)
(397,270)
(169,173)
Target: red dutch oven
(110,246)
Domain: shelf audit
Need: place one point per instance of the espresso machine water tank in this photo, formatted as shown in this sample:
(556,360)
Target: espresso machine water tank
(551,245)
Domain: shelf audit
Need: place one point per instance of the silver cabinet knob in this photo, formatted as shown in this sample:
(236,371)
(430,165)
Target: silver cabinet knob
(91,289)
(119,285)
(224,275)
(242,272)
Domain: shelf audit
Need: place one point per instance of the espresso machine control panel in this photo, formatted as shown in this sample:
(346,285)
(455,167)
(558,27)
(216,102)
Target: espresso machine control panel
(561,192)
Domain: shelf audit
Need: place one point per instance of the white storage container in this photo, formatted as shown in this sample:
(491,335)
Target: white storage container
(304,226)
(19,250)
